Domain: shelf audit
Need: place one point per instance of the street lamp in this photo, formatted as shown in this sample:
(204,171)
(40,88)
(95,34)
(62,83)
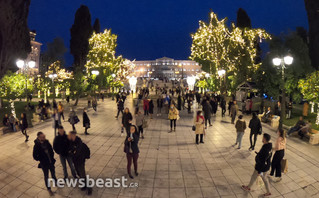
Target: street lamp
(191,82)
(181,65)
(113,76)
(282,62)
(52,77)
(25,67)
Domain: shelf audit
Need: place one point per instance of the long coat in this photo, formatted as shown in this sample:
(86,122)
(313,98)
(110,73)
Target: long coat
(200,125)
(86,120)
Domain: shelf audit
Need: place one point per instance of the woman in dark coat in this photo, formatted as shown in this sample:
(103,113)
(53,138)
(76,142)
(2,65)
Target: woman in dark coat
(255,129)
(131,149)
(86,121)
(24,126)
(179,102)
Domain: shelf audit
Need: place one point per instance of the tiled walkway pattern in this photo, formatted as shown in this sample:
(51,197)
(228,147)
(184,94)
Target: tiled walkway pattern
(170,164)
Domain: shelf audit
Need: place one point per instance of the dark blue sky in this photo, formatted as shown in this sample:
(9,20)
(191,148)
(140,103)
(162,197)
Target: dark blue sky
(148,29)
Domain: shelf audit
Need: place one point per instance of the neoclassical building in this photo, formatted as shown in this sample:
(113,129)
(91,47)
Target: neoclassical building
(166,68)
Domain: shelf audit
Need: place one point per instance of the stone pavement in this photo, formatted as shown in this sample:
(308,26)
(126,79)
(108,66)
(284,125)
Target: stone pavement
(170,164)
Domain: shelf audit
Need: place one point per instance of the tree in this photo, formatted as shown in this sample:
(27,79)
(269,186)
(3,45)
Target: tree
(312,7)
(78,86)
(14,34)
(55,52)
(102,57)
(81,31)
(310,89)
(97,26)
(243,20)
(268,76)
(12,86)
(232,49)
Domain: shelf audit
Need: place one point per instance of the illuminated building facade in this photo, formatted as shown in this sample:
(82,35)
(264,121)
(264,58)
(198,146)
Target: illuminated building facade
(166,68)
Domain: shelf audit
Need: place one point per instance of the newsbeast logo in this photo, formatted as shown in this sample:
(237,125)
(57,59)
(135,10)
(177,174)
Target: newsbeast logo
(90,182)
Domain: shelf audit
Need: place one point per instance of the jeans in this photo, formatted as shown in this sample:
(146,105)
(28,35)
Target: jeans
(239,138)
(207,118)
(223,112)
(233,117)
(201,138)
(293,129)
(264,178)
(61,115)
(73,127)
(276,163)
(63,160)
(46,174)
(140,129)
(145,111)
(130,157)
(118,112)
(173,122)
(253,143)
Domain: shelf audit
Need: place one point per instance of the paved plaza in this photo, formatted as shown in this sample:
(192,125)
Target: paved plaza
(170,164)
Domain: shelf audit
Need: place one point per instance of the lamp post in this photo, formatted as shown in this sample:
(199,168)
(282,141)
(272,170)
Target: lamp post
(181,65)
(221,73)
(52,77)
(23,65)
(282,62)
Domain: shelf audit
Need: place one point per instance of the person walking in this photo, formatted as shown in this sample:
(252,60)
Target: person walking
(80,152)
(234,111)
(179,102)
(126,121)
(207,109)
(223,106)
(279,149)
(139,123)
(173,114)
(151,108)
(240,129)
(24,125)
(159,105)
(56,121)
(86,121)
(255,130)
(61,147)
(43,152)
(262,166)
(61,111)
(146,106)
(120,107)
(73,119)
(131,149)
(94,104)
(199,126)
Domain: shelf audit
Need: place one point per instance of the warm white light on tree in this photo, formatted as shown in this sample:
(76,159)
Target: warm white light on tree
(221,72)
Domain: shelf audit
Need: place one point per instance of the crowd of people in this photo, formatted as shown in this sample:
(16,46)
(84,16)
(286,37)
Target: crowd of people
(169,102)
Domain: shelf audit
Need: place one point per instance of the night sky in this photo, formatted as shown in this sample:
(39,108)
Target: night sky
(149,29)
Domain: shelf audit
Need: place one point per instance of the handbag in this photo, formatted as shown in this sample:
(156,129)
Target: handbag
(178,117)
(145,124)
(194,128)
(284,165)
(260,131)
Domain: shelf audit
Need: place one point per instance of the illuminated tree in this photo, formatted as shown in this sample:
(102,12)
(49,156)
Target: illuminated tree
(310,89)
(102,57)
(220,47)
(12,86)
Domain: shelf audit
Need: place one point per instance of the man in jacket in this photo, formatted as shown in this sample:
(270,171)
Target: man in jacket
(79,152)
(207,109)
(120,107)
(234,111)
(43,152)
(61,147)
(255,129)
(127,120)
(262,165)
